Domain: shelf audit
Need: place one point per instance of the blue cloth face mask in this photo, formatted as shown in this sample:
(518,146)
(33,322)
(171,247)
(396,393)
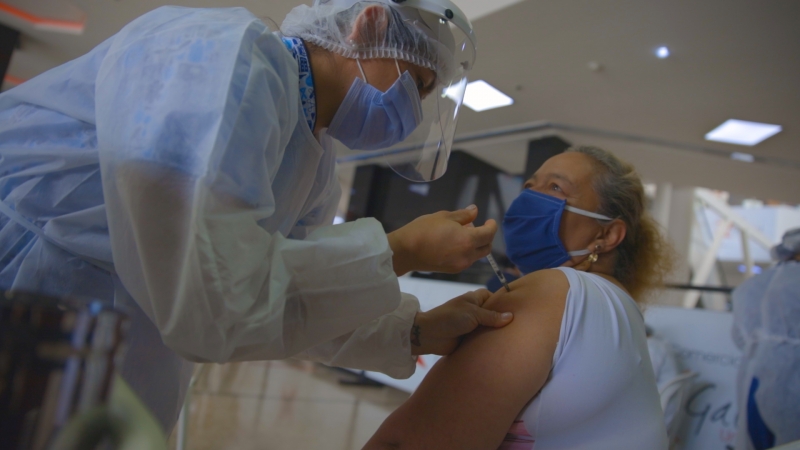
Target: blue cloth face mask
(531,227)
(369,119)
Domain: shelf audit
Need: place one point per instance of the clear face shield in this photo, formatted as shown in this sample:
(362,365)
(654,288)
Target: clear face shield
(423,155)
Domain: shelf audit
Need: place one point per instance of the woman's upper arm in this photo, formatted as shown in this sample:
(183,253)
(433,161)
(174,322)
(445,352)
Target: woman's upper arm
(470,398)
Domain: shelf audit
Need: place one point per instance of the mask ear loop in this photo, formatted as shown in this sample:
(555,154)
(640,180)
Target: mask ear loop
(362,70)
(364,76)
(588,213)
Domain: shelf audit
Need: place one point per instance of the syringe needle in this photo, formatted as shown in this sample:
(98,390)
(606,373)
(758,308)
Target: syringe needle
(498,272)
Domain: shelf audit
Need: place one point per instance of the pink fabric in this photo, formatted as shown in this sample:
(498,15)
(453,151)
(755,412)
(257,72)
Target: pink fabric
(517,438)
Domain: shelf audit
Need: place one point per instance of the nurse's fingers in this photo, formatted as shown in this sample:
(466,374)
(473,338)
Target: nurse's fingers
(484,234)
(481,252)
(477,297)
(494,319)
(487,317)
(464,216)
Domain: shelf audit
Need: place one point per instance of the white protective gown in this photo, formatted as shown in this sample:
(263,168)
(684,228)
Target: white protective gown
(177,153)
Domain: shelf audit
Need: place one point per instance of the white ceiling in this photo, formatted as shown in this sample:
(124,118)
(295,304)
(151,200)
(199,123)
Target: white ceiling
(730,59)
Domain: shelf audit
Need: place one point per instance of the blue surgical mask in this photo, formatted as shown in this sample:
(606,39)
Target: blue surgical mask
(531,228)
(369,119)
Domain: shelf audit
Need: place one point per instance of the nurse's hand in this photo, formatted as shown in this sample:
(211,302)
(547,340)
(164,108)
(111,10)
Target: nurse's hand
(439,330)
(445,241)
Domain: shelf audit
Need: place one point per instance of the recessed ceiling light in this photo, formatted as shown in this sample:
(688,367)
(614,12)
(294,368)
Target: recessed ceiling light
(662,52)
(746,157)
(742,132)
(482,96)
(743,269)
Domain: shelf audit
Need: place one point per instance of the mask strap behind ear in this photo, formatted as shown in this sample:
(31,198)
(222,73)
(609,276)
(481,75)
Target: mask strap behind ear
(397,64)
(587,213)
(362,71)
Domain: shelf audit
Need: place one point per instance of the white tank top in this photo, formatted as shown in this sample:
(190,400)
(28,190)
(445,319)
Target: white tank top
(601,393)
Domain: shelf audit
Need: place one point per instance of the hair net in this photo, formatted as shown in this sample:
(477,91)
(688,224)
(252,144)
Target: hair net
(410,35)
(789,246)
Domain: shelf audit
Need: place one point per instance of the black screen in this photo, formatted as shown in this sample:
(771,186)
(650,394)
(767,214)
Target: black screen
(8,41)
(380,193)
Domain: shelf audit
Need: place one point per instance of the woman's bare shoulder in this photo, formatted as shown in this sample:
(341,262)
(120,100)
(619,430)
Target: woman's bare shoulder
(543,289)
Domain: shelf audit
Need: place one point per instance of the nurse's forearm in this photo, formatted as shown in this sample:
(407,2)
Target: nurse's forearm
(402,258)
(380,345)
(157,203)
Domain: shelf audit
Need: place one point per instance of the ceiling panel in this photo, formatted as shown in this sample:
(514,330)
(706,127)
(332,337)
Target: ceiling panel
(730,59)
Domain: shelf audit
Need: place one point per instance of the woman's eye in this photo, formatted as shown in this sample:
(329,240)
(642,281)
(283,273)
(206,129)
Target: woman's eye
(555,187)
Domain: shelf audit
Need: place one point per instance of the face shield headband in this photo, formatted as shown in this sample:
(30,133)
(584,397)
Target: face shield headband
(424,155)
(430,34)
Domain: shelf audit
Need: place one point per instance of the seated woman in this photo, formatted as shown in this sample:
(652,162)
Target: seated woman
(572,371)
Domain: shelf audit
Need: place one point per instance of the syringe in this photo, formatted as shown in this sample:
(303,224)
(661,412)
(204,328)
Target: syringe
(498,272)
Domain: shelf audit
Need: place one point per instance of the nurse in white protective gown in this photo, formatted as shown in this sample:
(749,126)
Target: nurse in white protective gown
(766,327)
(184,169)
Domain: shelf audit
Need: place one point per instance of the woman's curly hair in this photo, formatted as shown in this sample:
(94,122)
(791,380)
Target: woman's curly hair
(644,257)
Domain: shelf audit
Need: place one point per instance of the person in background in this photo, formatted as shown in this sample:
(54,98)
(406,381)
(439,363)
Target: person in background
(766,326)
(572,371)
(668,375)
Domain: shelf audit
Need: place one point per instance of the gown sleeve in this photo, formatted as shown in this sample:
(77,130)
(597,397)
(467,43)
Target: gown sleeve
(382,345)
(195,109)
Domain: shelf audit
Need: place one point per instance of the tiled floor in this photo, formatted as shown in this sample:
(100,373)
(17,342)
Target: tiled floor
(283,405)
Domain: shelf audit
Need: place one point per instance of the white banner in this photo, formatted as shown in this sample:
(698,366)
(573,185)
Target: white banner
(703,343)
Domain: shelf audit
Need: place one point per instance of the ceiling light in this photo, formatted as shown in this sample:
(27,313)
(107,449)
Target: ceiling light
(742,132)
(482,96)
(743,269)
(746,157)
(662,52)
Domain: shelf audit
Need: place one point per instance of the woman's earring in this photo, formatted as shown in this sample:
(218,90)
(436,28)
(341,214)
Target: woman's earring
(593,257)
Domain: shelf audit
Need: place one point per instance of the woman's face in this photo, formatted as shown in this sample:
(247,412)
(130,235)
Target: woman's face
(382,74)
(568,176)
